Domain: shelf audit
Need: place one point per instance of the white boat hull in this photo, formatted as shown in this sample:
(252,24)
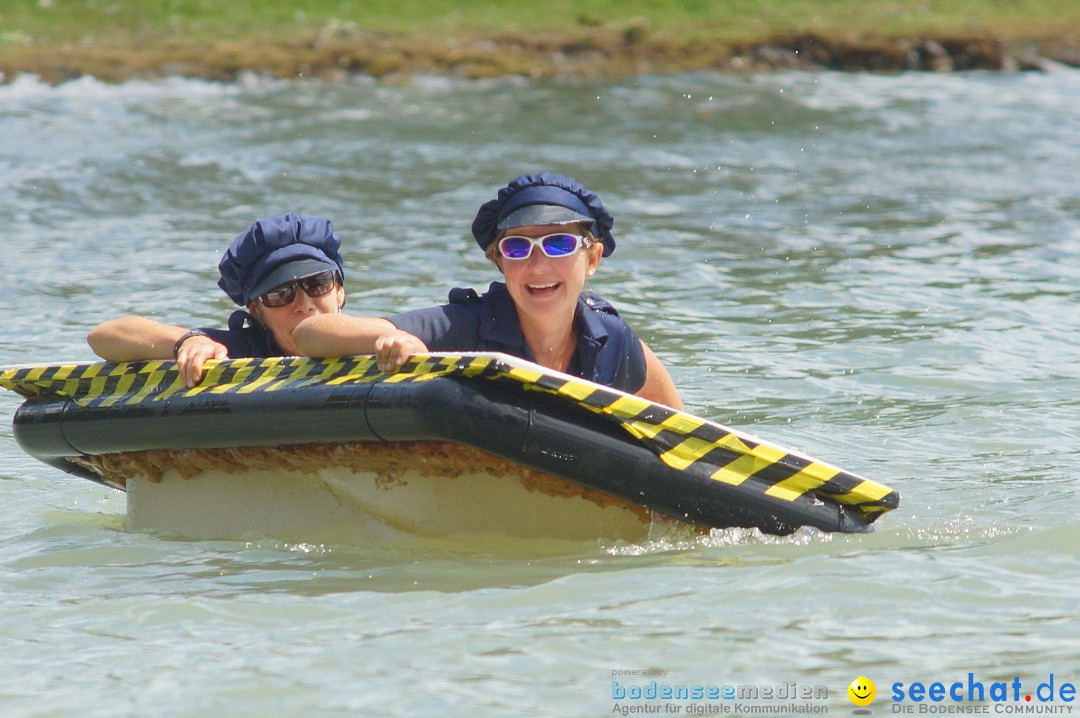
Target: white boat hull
(369,492)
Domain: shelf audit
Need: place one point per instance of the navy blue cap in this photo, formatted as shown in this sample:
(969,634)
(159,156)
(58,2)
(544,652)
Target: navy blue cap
(545,198)
(534,214)
(275,250)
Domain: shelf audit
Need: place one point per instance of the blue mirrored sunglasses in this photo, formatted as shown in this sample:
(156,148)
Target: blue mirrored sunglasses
(552,245)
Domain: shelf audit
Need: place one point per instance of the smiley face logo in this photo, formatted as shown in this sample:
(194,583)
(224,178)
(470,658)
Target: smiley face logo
(862,691)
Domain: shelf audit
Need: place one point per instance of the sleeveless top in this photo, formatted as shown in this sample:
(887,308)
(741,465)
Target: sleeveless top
(253,340)
(608,351)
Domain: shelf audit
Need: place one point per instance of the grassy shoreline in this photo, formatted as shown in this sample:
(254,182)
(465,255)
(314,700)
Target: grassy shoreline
(117,40)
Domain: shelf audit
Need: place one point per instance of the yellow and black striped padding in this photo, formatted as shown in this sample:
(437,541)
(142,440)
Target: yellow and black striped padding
(682,441)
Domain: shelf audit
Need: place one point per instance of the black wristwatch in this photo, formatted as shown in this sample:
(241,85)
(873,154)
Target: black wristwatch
(181,340)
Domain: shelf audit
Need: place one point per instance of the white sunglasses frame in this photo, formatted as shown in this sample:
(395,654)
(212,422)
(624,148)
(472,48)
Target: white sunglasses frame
(583,242)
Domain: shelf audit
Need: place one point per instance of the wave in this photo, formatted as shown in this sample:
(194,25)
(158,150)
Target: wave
(28,87)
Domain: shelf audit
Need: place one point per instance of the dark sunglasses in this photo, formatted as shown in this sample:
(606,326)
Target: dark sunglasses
(552,245)
(314,286)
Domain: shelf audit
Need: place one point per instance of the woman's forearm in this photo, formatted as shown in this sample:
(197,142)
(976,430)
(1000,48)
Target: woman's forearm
(327,335)
(134,339)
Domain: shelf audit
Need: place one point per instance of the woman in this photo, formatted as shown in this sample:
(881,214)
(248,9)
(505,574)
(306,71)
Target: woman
(283,269)
(546,233)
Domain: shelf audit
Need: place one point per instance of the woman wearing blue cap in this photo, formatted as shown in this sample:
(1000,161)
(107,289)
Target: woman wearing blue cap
(546,233)
(282,269)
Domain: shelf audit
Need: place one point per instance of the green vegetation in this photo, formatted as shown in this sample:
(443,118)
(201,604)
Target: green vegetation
(51,22)
(281,36)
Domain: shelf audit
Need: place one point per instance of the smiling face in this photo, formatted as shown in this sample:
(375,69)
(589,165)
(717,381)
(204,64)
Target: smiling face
(543,288)
(281,321)
(862,691)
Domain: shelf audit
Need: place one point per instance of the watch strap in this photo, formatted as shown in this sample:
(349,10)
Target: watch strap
(191,333)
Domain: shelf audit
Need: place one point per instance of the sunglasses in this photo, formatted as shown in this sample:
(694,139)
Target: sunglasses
(552,245)
(314,286)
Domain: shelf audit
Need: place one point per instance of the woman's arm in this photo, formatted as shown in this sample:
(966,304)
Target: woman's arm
(658,385)
(327,335)
(139,338)
(134,339)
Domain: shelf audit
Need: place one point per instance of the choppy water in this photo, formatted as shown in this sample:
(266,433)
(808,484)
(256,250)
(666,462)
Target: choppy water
(879,271)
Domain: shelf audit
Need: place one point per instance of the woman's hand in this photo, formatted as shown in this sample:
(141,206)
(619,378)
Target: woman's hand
(393,349)
(193,354)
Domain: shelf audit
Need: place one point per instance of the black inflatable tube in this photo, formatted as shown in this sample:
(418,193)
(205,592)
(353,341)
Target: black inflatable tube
(528,427)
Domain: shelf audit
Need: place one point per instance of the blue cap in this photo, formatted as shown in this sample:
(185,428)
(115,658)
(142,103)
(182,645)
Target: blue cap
(275,250)
(545,198)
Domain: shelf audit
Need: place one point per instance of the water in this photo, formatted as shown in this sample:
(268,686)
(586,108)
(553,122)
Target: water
(878,271)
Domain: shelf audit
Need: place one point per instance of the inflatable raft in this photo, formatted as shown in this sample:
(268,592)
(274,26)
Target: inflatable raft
(475,444)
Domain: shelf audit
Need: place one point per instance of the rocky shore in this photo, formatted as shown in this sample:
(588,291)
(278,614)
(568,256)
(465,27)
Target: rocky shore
(341,49)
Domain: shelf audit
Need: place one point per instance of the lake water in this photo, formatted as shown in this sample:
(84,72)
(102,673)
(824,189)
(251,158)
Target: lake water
(880,271)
